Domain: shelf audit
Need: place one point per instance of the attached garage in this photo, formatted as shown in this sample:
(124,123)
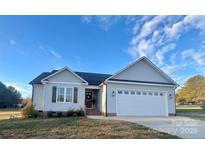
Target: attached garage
(140,89)
(141,103)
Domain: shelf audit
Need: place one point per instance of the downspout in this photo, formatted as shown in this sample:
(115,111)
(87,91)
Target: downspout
(32,94)
(106,102)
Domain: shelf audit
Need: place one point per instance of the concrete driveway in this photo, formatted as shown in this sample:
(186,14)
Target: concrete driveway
(183,127)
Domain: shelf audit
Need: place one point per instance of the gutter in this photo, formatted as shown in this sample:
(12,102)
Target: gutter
(137,83)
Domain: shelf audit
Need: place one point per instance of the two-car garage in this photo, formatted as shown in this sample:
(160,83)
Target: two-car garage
(141,103)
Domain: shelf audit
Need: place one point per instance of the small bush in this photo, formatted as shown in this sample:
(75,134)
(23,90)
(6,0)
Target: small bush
(28,111)
(75,114)
(80,112)
(50,114)
(59,114)
(69,113)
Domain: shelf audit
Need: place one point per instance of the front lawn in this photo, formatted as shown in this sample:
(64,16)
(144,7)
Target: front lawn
(75,127)
(195,113)
(9,112)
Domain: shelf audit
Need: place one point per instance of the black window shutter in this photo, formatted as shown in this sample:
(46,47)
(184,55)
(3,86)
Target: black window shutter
(75,100)
(54,94)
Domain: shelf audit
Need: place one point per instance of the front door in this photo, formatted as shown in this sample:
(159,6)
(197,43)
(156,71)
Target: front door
(89,99)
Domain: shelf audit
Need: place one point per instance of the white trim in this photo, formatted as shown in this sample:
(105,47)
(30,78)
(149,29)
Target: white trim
(165,96)
(92,87)
(149,62)
(65,68)
(65,83)
(64,101)
(137,83)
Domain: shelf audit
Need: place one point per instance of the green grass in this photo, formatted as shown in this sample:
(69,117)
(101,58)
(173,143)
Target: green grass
(75,127)
(189,107)
(6,113)
(195,113)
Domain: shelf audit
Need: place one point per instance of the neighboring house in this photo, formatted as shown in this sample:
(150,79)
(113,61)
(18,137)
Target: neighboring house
(140,89)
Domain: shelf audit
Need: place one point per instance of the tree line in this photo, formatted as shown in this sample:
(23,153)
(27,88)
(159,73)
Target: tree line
(193,91)
(9,96)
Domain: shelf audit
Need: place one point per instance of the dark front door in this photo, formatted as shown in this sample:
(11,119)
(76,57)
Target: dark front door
(89,99)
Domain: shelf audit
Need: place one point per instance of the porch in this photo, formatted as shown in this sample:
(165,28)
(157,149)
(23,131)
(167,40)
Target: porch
(92,101)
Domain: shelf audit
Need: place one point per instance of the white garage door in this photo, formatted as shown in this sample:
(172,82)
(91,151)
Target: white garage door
(141,103)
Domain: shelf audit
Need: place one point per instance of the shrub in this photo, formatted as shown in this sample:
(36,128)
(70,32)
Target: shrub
(80,112)
(50,114)
(59,114)
(69,113)
(28,111)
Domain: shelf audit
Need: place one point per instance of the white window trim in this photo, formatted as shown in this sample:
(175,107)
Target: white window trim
(64,94)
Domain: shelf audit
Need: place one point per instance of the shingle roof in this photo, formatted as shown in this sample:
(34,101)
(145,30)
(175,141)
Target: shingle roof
(91,78)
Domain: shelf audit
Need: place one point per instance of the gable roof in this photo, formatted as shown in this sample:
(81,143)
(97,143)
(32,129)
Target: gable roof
(98,78)
(91,78)
(151,64)
(63,69)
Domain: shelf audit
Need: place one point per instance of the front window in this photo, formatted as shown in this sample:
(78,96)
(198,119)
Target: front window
(119,91)
(69,94)
(60,97)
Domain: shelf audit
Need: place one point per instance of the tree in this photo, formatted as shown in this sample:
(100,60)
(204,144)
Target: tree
(193,90)
(9,96)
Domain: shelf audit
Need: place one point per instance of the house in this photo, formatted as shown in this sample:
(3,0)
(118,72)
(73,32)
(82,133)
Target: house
(140,89)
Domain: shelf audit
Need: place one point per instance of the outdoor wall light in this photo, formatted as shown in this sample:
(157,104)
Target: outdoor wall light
(170,96)
(113,93)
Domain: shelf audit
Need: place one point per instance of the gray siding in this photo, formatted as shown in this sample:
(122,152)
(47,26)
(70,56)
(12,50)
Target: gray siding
(141,71)
(111,100)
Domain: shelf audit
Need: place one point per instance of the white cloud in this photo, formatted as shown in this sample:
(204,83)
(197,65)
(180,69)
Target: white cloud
(12,42)
(160,54)
(104,22)
(24,89)
(169,69)
(175,30)
(157,37)
(86,19)
(148,28)
(144,48)
(55,54)
(196,21)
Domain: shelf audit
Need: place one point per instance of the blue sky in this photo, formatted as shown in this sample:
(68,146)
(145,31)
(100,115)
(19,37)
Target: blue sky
(30,45)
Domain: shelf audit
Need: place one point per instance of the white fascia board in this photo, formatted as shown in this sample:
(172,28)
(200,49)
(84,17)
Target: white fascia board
(137,83)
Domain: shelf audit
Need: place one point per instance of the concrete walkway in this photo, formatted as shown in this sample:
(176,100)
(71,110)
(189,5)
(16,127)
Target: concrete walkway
(183,127)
